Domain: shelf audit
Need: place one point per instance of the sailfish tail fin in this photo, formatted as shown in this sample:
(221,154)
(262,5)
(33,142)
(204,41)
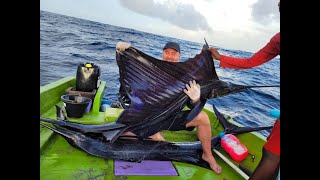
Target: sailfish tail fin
(234,129)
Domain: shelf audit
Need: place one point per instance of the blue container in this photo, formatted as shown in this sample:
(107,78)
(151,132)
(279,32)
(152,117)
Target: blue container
(104,105)
(275,113)
(105,101)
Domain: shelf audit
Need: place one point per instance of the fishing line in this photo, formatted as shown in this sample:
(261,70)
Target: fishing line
(144,156)
(206,46)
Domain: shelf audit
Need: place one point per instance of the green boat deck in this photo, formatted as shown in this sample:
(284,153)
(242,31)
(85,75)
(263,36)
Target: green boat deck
(59,160)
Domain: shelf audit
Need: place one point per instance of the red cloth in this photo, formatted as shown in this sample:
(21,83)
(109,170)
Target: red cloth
(273,140)
(268,52)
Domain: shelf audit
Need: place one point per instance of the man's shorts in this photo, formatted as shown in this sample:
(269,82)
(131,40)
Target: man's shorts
(179,123)
(172,123)
(273,140)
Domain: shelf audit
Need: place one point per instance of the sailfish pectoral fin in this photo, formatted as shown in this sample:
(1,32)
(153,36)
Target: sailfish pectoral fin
(196,110)
(113,135)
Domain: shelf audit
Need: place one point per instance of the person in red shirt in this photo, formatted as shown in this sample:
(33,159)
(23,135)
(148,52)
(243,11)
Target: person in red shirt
(268,167)
(268,52)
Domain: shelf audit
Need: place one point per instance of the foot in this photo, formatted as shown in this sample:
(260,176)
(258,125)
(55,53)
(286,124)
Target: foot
(157,137)
(213,164)
(129,135)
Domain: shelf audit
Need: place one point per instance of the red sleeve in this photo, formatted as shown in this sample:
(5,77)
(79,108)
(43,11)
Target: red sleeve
(268,52)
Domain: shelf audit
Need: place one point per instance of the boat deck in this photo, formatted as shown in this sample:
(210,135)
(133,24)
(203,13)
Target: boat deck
(59,160)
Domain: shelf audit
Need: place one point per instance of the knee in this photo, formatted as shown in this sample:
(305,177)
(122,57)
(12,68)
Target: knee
(203,118)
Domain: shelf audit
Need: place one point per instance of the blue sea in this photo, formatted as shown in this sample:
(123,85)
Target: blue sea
(66,41)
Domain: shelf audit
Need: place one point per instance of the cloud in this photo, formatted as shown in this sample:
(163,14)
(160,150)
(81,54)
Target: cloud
(181,15)
(265,11)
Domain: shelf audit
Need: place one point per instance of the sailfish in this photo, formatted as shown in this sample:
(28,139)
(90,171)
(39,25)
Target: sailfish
(87,138)
(155,89)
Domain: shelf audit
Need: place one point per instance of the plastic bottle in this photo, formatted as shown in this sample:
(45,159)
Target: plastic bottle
(233,147)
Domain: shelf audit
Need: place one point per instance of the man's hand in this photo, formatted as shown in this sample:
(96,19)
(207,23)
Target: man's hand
(122,46)
(215,54)
(193,91)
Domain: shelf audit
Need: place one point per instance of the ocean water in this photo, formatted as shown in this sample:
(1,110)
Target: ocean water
(65,42)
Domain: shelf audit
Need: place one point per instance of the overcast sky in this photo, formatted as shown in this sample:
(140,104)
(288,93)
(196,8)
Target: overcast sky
(233,24)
